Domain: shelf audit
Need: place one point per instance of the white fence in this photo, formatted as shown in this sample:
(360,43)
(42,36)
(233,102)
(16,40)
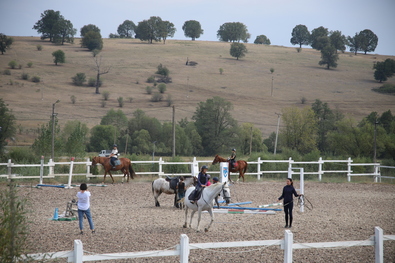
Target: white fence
(347,166)
(183,248)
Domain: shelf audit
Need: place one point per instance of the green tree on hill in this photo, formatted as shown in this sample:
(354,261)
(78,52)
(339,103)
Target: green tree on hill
(355,43)
(337,40)
(192,29)
(167,30)
(300,36)
(238,50)
(85,29)
(92,40)
(102,137)
(59,57)
(329,57)
(384,70)
(233,32)
(369,41)
(5,43)
(126,29)
(262,39)
(315,36)
(150,30)
(65,32)
(7,125)
(47,24)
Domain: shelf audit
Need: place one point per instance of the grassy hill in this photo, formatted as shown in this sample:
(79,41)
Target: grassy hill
(245,82)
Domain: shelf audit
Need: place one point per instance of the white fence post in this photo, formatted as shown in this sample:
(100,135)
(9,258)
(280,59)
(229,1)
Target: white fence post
(78,251)
(288,241)
(195,167)
(378,245)
(88,168)
(160,167)
(9,171)
(301,190)
(290,161)
(51,165)
(258,169)
(184,249)
(71,172)
(349,171)
(320,162)
(42,170)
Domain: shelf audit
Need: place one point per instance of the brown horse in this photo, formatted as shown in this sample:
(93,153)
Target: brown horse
(241,167)
(125,167)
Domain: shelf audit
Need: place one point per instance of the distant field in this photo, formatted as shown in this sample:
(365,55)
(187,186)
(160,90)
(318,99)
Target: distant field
(245,82)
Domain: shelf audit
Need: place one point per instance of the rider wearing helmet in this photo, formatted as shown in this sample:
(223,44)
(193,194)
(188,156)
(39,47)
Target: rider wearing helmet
(114,155)
(232,158)
(202,181)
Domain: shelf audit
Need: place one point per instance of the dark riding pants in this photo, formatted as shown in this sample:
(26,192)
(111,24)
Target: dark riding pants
(288,213)
(112,160)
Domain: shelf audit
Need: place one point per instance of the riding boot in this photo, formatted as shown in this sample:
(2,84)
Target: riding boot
(286,221)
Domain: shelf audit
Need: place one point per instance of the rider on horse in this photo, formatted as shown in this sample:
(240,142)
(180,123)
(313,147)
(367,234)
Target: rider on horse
(114,155)
(201,182)
(232,158)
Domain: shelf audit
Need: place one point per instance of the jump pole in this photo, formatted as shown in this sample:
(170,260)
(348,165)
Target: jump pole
(71,173)
(233,204)
(235,211)
(250,208)
(301,183)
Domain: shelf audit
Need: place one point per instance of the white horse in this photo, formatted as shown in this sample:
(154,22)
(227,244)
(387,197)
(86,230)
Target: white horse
(160,186)
(205,202)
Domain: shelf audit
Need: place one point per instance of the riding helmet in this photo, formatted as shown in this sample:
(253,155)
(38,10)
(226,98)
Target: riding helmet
(215,179)
(204,167)
(234,149)
(115,145)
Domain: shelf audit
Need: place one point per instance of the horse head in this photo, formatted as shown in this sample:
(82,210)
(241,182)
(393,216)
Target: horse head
(215,159)
(226,192)
(95,160)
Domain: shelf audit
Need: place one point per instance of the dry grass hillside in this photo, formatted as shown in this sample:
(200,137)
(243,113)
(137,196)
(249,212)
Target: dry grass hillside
(245,82)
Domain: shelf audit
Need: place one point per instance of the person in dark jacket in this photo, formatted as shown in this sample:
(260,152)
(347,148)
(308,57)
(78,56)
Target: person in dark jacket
(201,182)
(288,191)
(232,158)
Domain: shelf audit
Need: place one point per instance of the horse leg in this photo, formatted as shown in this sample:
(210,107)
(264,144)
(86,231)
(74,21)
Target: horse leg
(210,211)
(199,217)
(156,195)
(105,174)
(175,200)
(109,172)
(190,222)
(186,217)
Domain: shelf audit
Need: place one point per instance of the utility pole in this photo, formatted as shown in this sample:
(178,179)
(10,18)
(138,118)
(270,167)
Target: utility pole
(278,125)
(174,132)
(375,142)
(53,131)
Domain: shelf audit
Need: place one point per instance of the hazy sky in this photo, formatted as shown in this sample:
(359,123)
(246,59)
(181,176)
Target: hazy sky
(274,18)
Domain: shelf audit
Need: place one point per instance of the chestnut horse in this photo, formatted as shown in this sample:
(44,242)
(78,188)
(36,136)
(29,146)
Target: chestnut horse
(241,167)
(125,167)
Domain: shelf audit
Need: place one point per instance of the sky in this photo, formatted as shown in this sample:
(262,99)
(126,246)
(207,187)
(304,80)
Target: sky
(273,18)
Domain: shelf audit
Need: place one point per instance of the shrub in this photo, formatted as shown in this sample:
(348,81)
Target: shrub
(148,89)
(169,100)
(162,70)
(106,95)
(120,102)
(23,155)
(303,100)
(35,79)
(79,79)
(20,66)
(7,72)
(130,99)
(73,99)
(221,71)
(29,64)
(103,103)
(39,47)
(12,64)
(11,82)
(156,97)
(162,88)
(151,79)
(298,49)
(271,70)
(25,76)
(386,88)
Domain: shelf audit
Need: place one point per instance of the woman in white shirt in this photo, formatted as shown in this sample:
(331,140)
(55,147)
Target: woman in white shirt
(84,208)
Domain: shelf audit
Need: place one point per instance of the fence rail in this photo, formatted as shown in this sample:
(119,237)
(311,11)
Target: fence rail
(183,248)
(194,168)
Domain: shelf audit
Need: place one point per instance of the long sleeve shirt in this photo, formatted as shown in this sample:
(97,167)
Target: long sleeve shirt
(288,190)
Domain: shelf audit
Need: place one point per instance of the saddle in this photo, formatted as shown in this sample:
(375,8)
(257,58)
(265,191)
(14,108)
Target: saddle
(173,181)
(195,194)
(234,165)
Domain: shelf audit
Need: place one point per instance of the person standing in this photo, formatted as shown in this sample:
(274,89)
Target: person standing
(181,188)
(114,155)
(201,182)
(288,191)
(84,208)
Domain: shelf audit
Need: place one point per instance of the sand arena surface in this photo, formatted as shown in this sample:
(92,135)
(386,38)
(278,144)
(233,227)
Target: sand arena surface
(126,220)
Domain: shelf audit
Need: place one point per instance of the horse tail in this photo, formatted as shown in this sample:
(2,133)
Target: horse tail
(152,185)
(131,171)
(245,167)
